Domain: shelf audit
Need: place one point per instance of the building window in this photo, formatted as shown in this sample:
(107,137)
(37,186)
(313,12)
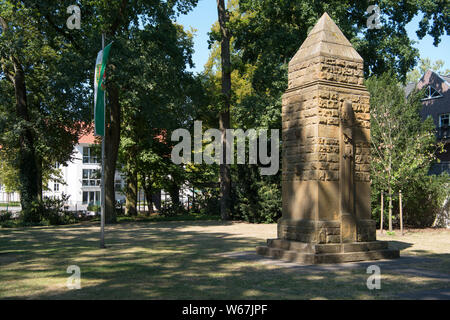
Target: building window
(444,120)
(91,177)
(118,185)
(89,155)
(431,93)
(56,187)
(91,197)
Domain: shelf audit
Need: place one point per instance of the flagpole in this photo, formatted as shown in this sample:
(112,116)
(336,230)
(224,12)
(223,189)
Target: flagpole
(102,219)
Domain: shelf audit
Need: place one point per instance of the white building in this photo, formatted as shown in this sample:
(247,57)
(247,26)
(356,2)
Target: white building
(8,196)
(81,178)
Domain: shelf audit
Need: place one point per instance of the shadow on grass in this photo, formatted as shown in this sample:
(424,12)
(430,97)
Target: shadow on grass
(399,245)
(170,260)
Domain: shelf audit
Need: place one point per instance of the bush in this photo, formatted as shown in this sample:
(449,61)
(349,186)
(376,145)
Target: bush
(270,203)
(256,198)
(423,200)
(263,207)
(54,213)
(48,211)
(211,206)
(5,216)
(171,210)
(34,213)
(94,208)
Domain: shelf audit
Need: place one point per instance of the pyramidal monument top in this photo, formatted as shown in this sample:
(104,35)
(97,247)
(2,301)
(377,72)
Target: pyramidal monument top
(326,39)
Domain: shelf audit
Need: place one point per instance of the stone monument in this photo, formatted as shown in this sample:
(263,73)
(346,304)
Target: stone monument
(326,216)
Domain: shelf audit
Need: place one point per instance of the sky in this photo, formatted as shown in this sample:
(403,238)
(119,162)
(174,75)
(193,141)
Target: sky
(205,14)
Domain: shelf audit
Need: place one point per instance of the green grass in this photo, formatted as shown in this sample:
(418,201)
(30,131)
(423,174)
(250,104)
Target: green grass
(183,260)
(158,218)
(17,223)
(10,204)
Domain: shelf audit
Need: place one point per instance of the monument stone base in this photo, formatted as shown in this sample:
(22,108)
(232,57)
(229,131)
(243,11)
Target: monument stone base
(311,253)
(326,214)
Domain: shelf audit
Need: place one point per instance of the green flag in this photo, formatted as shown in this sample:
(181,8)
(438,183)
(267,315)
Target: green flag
(99,90)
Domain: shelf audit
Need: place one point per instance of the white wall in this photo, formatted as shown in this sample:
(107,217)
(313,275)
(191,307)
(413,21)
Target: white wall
(73,176)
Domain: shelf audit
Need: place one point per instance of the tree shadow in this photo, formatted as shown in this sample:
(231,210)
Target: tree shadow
(170,260)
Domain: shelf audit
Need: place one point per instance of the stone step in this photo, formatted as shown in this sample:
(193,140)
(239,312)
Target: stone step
(311,258)
(356,256)
(350,247)
(291,245)
(326,248)
(365,246)
(286,255)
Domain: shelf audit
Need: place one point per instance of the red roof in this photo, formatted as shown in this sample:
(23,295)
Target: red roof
(87,134)
(88,137)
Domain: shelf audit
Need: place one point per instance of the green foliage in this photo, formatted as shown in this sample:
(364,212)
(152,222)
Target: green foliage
(8,173)
(269,32)
(425,64)
(425,199)
(10,204)
(208,201)
(193,216)
(33,213)
(43,91)
(403,148)
(172,210)
(5,216)
(256,199)
(93,207)
(48,211)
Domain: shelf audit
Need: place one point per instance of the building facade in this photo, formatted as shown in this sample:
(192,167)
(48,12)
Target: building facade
(436,104)
(81,179)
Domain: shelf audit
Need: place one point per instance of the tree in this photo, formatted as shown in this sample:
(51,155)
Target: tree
(250,108)
(8,175)
(268,33)
(157,106)
(403,146)
(35,65)
(123,22)
(425,65)
(224,113)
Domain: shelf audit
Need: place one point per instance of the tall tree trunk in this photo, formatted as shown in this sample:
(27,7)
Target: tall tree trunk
(131,193)
(147,186)
(28,171)
(390,193)
(390,209)
(174,191)
(112,136)
(156,200)
(224,115)
(39,176)
(27,154)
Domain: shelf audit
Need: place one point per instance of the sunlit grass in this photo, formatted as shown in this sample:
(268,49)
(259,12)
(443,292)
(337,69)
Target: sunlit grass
(184,260)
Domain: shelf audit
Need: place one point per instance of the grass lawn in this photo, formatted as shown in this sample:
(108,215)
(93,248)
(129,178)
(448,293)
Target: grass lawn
(184,260)
(10,204)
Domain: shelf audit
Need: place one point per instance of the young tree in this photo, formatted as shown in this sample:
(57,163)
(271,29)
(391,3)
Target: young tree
(403,146)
